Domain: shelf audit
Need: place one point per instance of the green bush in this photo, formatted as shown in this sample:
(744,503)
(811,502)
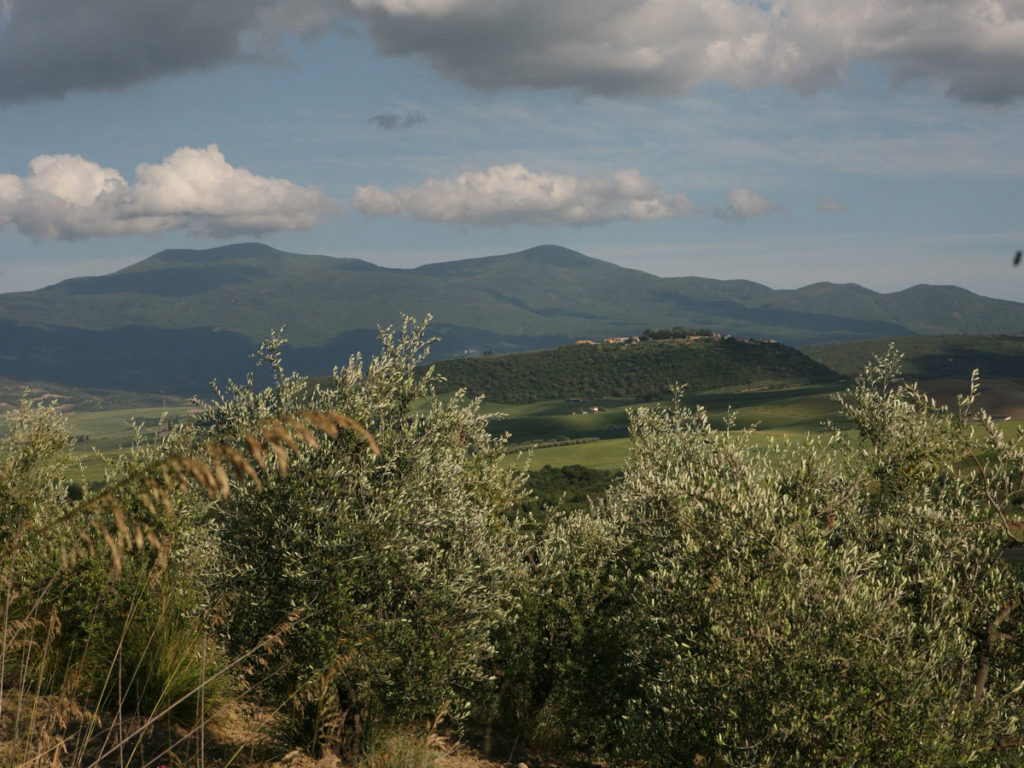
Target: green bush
(398,566)
(35,456)
(839,603)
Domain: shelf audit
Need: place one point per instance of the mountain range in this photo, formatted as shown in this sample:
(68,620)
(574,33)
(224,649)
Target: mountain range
(178,319)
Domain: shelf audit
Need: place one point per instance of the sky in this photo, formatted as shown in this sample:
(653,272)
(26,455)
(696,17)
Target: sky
(783,141)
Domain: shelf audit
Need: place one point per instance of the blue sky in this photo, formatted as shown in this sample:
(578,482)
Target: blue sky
(782,141)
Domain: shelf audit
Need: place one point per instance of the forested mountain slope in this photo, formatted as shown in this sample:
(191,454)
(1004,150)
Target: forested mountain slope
(931,357)
(179,318)
(644,370)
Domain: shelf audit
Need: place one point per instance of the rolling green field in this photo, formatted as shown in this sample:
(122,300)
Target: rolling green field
(102,433)
(78,399)
(100,419)
(604,454)
(774,414)
(598,440)
(793,411)
(781,413)
(108,432)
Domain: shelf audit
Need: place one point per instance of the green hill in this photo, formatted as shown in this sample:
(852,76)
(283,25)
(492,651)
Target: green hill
(932,357)
(180,318)
(642,370)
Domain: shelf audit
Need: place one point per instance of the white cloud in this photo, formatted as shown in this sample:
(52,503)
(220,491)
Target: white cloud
(828,205)
(414,7)
(746,204)
(513,194)
(64,197)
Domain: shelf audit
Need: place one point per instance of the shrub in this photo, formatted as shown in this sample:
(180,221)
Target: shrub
(840,603)
(98,628)
(399,564)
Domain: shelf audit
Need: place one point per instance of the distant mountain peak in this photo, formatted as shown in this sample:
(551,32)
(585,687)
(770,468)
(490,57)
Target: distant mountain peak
(548,256)
(556,255)
(218,253)
(97,329)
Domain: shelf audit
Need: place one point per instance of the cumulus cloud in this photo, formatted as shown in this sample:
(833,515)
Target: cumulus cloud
(513,194)
(609,47)
(828,205)
(64,197)
(746,204)
(667,46)
(394,120)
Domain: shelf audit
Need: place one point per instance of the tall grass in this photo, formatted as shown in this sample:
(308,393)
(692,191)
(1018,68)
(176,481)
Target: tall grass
(106,656)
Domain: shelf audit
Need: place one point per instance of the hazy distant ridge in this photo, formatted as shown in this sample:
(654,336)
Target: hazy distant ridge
(180,318)
(932,357)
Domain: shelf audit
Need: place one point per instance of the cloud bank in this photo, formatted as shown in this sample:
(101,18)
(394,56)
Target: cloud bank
(609,47)
(746,204)
(618,48)
(828,205)
(64,197)
(513,194)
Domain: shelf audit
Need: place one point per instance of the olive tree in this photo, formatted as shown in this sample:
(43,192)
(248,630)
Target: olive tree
(387,553)
(836,601)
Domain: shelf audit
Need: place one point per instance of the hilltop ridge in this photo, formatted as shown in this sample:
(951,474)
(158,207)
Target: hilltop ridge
(640,367)
(179,318)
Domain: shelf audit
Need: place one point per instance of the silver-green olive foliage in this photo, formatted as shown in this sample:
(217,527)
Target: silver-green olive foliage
(397,566)
(840,601)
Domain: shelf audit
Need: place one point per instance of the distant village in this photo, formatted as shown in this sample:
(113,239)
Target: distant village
(676,334)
